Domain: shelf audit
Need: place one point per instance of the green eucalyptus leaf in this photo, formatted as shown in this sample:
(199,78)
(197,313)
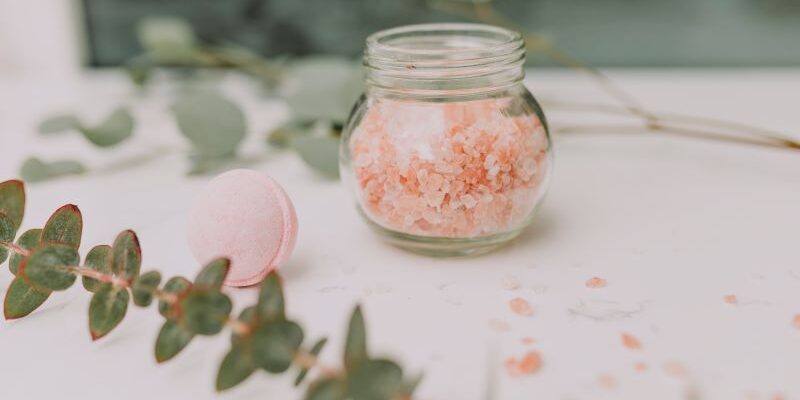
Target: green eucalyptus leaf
(65,226)
(275,344)
(237,366)
(98,259)
(271,304)
(27,240)
(22,298)
(46,267)
(205,311)
(117,127)
(172,338)
(7,233)
(213,274)
(320,152)
(376,379)
(322,87)
(12,201)
(58,124)
(167,39)
(314,352)
(213,124)
(107,309)
(327,389)
(144,287)
(355,350)
(36,170)
(126,256)
(178,286)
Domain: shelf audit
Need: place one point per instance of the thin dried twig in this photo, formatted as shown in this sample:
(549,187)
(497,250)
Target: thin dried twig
(629,105)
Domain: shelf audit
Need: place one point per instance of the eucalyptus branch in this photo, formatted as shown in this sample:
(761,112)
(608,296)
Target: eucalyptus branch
(705,128)
(263,337)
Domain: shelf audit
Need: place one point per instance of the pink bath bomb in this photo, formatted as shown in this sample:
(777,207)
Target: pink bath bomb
(245,216)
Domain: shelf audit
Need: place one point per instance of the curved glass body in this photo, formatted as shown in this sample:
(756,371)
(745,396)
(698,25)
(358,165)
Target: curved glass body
(447,153)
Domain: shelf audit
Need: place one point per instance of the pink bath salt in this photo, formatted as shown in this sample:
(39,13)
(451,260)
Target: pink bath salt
(521,306)
(459,169)
(245,216)
(529,364)
(631,342)
(596,283)
(796,321)
(731,299)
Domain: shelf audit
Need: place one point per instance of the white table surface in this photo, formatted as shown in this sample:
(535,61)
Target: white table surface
(673,224)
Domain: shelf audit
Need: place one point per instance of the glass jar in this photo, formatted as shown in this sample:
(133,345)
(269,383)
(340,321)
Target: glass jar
(447,153)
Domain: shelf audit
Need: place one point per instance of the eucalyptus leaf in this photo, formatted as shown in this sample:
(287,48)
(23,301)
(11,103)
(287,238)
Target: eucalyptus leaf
(213,124)
(275,345)
(46,267)
(213,274)
(98,259)
(117,127)
(65,226)
(327,389)
(7,233)
(177,286)
(126,256)
(271,304)
(281,136)
(172,338)
(167,39)
(58,124)
(204,312)
(21,299)
(107,309)
(320,152)
(322,87)
(375,380)
(27,240)
(314,352)
(144,287)
(237,366)
(36,170)
(12,201)
(355,350)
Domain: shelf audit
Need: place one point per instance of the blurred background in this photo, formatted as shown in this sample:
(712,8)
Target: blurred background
(59,36)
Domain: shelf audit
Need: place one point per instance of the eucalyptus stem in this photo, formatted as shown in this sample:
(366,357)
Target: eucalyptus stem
(15,248)
(100,276)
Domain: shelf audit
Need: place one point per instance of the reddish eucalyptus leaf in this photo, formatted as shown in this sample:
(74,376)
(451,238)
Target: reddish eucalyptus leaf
(107,309)
(21,299)
(12,201)
(98,259)
(213,274)
(127,256)
(7,233)
(65,226)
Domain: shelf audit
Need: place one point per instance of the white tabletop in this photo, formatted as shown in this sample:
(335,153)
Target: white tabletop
(673,224)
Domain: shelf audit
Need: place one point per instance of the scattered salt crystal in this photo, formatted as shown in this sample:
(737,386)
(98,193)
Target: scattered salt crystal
(731,299)
(796,321)
(631,341)
(529,364)
(521,306)
(596,283)
(640,366)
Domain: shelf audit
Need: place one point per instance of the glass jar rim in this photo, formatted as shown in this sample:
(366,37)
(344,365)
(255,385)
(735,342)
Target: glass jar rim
(450,41)
(444,59)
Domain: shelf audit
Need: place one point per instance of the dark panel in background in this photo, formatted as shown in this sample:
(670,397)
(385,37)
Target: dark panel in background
(602,32)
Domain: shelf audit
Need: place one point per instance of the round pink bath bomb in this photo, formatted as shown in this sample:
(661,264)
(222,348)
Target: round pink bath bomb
(245,216)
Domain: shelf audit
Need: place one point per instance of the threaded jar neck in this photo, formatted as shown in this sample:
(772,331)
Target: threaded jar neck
(444,59)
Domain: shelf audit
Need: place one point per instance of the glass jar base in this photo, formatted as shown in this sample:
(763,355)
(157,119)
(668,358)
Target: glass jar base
(444,247)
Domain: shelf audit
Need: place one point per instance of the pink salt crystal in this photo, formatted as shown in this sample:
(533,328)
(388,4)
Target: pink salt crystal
(245,216)
(479,169)
(596,283)
(521,306)
(529,364)
(731,299)
(631,341)
(607,381)
(640,366)
(796,321)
